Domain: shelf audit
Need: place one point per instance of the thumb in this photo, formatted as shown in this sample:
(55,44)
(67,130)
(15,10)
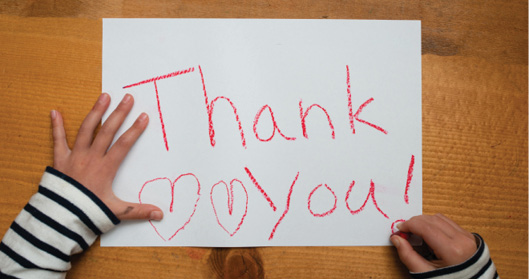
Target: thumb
(136,211)
(60,145)
(411,259)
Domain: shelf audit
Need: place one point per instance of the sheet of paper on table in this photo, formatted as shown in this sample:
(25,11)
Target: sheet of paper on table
(268,132)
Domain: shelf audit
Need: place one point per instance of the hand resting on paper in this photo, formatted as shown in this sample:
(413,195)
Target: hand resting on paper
(75,202)
(92,164)
(451,244)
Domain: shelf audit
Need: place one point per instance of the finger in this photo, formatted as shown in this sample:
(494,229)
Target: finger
(136,211)
(60,145)
(122,146)
(444,225)
(452,223)
(112,124)
(411,259)
(428,228)
(413,224)
(86,131)
(460,233)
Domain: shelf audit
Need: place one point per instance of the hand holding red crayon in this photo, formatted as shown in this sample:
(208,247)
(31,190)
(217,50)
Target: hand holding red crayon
(450,243)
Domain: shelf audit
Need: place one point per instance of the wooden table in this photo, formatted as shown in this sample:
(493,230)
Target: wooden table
(474,57)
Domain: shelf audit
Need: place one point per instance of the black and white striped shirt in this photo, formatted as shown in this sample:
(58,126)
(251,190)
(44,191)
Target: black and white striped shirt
(63,218)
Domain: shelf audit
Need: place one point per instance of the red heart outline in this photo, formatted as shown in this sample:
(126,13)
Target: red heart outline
(230,204)
(172,201)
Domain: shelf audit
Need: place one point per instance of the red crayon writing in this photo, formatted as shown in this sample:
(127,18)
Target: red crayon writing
(328,212)
(303,112)
(267,111)
(231,200)
(153,80)
(275,127)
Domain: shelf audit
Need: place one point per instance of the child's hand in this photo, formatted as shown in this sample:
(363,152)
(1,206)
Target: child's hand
(450,243)
(91,164)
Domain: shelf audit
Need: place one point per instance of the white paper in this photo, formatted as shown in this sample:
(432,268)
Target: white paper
(282,67)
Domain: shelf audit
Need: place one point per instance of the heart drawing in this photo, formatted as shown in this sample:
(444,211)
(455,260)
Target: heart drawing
(186,209)
(231,200)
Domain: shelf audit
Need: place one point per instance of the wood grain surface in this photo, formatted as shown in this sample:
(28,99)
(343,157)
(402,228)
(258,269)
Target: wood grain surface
(474,125)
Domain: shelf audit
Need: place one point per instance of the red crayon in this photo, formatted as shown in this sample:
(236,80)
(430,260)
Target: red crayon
(413,239)
(404,235)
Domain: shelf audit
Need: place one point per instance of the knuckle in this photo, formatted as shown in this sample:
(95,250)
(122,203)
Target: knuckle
(124,141)
(106,130)
(58,140)
(439,215)
(134,212)
(458,252)
(98,108)
(414,219)
(143,214)
(123,107)
(470,244)
(417,219)
(84,129)
(429,229)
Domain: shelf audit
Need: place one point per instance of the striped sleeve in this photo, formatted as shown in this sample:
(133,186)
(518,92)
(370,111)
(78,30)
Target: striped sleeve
(479,266)
(63,218)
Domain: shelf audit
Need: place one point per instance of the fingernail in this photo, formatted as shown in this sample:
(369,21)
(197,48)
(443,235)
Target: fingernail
(103,98)
(156,215)
(53,114)
(395,241)
(127,98)
(142,117)
(399,225)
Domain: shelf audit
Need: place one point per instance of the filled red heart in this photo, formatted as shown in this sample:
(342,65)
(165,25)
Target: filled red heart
(173,222)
